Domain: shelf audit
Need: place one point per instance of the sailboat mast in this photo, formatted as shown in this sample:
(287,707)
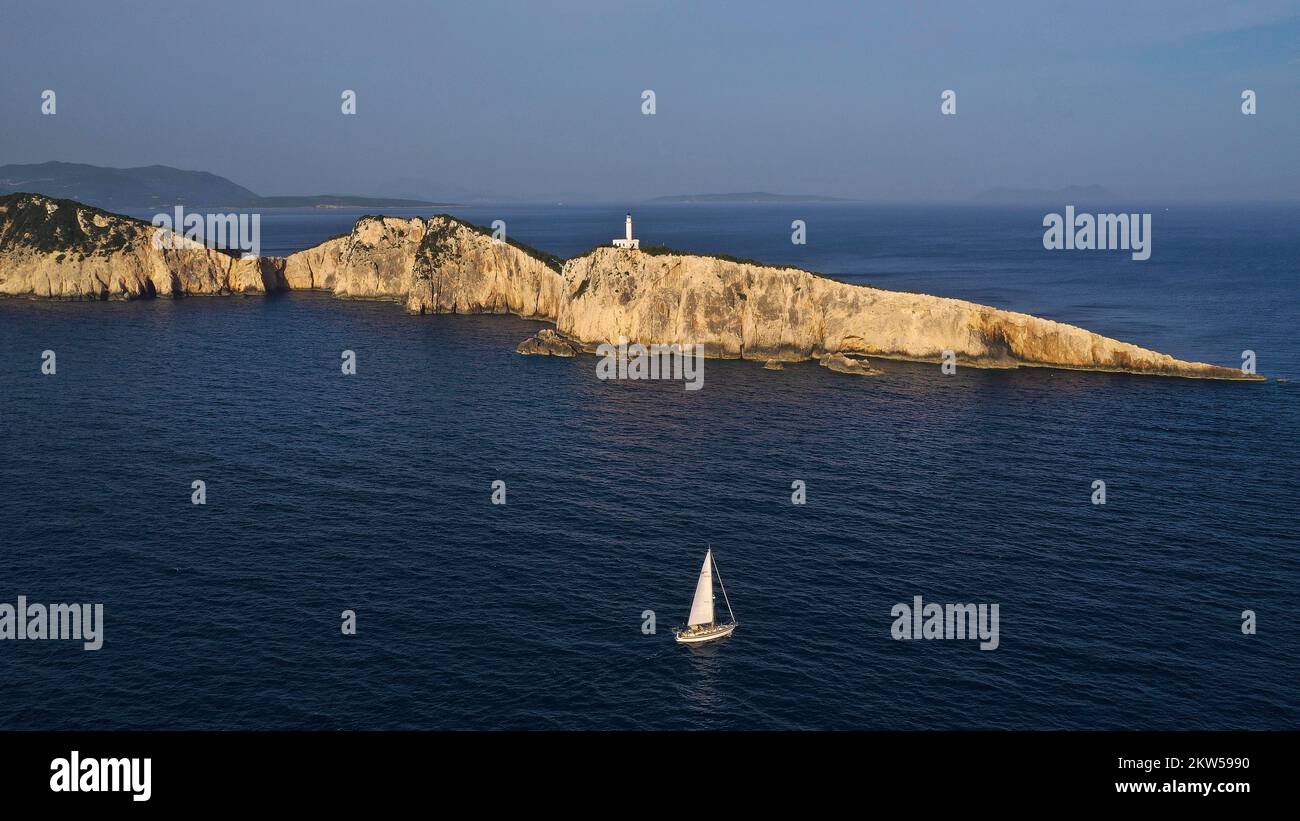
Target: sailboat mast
(724,589)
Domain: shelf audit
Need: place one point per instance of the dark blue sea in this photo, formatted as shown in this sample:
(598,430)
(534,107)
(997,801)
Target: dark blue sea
(372,493)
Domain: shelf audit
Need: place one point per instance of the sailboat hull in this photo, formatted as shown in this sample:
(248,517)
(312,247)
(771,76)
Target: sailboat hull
(700,635)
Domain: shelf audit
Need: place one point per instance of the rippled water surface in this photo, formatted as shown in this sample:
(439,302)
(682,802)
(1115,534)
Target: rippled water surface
(371,492)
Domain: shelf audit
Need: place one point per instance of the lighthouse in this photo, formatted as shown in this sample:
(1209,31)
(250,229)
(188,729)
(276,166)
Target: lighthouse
(628,241)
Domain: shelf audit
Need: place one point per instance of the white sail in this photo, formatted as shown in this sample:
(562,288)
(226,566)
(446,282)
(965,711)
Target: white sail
(702,607)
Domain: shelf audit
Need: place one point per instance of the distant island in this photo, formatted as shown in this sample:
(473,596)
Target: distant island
(1068,194)
(743,197)
(59,249)
(158,186)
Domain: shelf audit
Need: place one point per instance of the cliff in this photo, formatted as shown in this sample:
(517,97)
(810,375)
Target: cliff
(60,249)
(440,265)
(739,309)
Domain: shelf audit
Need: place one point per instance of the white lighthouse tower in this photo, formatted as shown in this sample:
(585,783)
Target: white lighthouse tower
(628,241)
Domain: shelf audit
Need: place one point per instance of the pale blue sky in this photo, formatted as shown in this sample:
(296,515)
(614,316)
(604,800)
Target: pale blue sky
(542,100)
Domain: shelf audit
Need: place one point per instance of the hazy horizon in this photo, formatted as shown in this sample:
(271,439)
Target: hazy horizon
(511,101)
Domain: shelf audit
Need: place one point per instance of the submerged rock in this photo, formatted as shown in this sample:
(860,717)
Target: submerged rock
(773,365)
(547,342)
(847,364)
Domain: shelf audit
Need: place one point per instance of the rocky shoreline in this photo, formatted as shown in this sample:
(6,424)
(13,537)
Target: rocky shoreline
(59,249)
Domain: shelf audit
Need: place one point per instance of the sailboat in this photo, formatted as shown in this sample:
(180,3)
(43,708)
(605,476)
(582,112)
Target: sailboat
(700,626)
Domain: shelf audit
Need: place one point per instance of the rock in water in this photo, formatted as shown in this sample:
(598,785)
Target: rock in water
(847,364)
(547,342)
(773,365)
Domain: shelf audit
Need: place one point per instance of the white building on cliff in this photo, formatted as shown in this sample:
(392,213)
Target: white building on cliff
(627,241)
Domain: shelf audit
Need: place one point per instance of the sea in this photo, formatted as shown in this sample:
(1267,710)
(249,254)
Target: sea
(1173,605)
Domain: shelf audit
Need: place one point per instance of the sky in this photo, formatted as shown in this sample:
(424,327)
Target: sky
(543,100)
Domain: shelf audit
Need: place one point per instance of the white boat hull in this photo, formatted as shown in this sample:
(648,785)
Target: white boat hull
(700,635)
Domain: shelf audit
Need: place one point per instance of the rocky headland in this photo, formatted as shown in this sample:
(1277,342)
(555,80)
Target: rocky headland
(60,249)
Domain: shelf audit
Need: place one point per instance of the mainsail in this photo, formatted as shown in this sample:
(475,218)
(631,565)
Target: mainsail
(702,607)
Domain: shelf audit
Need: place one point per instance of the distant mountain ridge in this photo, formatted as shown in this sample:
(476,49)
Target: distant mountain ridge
(1070,193)
(744,197)
(161,186)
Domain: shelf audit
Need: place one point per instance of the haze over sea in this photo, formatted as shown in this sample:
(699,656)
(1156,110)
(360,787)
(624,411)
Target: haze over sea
(371,492)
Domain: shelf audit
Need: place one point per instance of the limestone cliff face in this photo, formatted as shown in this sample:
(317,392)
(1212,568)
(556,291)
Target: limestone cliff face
(375,261)
(317,267)
(461,269)
(59,249)
(439,265)
(63,250)
(740,310)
